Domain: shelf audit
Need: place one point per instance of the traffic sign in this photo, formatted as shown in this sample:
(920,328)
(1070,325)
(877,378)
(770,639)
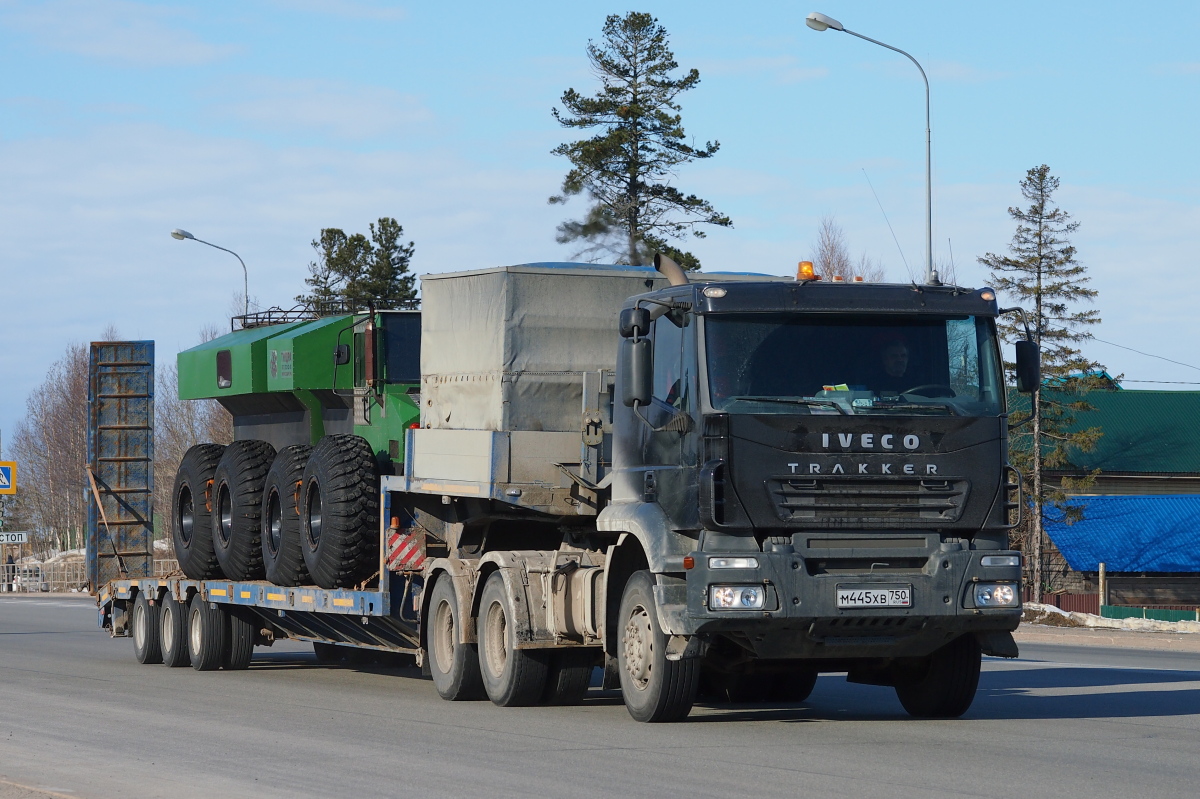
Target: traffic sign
(8,477)
(14,538)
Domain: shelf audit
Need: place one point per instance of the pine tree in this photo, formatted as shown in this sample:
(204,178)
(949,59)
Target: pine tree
(626,168)
(361,272)
(1041,271)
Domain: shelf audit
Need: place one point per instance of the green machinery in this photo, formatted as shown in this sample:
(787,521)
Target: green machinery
(319,410)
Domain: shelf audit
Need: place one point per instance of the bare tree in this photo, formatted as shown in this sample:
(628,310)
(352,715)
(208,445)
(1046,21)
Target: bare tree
(832,257)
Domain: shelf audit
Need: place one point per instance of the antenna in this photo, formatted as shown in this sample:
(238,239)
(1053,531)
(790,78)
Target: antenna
(885,219)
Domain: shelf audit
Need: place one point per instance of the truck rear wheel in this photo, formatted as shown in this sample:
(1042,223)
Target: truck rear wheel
(512,677)
(237,505)
(207,635)
(654,688)
(454,666)
(283,561)
(172,617)
(146,631)
(946,689)
(569,675)
(191,512)
(339,518)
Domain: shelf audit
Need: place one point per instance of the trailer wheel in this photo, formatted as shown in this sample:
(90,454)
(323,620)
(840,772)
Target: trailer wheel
(240,650)
(207,635)
(283,561)
(237,508)
(654,688)
(172,617)
(191,512)
(454,666)
(339,518)
(512,677)
(947,687)
(569,675)
(146,631)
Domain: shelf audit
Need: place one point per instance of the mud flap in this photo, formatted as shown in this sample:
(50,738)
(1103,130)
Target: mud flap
(998,644)
(684,647)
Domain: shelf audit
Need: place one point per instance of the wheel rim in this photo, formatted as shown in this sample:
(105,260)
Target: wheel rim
(225,509)
(312,514)
(274,523)
(139,626)
(639,648)
(443,637)
(195,631)
(496,639)
(187,514)
(167,633)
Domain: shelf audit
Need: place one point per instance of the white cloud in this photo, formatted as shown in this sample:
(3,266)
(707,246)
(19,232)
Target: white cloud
(782,69)
(121,31)
(1181,68)
(344,110)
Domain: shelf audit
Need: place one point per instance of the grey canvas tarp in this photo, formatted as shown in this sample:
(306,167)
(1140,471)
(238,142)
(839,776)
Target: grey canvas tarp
(506,348)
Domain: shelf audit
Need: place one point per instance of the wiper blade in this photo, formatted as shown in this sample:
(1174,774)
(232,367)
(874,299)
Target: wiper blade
(814,403)
(915,406)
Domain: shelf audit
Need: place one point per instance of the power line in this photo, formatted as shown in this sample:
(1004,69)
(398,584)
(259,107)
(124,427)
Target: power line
(1131,349)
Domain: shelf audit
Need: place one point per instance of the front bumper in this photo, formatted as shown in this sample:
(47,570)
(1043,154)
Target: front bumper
(801,619)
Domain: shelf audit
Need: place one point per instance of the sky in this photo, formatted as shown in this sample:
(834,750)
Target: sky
(255,124)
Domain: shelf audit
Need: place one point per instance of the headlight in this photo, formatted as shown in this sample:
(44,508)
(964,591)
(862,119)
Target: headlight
(733,563)
(736,597)
(1000,560)
(995,595)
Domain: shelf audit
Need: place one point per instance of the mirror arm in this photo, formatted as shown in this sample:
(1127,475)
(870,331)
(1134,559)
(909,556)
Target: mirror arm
(1024,320)
(680,422)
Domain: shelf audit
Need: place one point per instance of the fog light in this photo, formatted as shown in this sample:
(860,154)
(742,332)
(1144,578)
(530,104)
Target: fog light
(733,563)
(1000,560)
(736,597)
(995,595)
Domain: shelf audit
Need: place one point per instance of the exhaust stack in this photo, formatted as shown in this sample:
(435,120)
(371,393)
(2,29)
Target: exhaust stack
(672,271)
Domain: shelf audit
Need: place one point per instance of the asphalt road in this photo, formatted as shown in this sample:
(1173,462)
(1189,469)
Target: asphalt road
(80,717)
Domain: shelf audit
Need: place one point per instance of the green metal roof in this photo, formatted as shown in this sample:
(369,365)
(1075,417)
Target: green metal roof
(1145,432)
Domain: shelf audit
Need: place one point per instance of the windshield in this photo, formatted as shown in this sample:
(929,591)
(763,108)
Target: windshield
(861,364)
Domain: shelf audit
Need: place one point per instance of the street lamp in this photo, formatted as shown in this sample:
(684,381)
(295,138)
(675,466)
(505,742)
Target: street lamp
(820,22)
(183,234)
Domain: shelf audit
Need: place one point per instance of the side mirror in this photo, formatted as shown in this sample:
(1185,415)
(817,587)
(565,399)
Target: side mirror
(637,373)
(634,322)
(1029,367)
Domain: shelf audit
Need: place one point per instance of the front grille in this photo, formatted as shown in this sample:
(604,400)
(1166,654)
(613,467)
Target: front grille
(839,501)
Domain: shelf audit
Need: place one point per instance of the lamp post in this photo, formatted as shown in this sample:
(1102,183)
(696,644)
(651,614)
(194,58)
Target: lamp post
(183,234)
(820,22)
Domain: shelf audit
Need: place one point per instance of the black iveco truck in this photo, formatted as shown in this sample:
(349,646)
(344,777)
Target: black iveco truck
(818,474)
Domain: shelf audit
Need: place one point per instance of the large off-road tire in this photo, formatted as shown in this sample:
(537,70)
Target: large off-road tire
(454,666)
(654,688)
(191,512)
(208,635)
(172,617)
(512,677)
(568,677)
(240,650)
(145,629)
(339,512)
(946,689)
(283,562)
(237,508)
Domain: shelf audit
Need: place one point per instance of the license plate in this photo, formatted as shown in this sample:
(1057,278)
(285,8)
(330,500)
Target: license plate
(892,596)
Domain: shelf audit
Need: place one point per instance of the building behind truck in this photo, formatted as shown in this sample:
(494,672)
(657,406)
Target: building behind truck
(700,486)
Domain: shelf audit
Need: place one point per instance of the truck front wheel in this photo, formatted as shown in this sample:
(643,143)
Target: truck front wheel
(654,688)
(946,688)
(454,666)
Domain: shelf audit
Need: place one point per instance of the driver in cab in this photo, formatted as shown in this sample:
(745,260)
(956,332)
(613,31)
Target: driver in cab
(892,376)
